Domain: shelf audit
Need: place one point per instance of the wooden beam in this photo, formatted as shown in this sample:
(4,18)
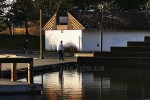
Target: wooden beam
(13,72)
(14,61)
(30,72)
(0,70)
(62,27)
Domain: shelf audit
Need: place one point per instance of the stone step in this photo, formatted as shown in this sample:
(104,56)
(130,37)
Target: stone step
(130,49)
(138,43)
(109,59)
(121,54)
(115,61)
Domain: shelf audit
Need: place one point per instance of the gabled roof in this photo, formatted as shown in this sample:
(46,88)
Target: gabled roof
(51,23)
(72,24)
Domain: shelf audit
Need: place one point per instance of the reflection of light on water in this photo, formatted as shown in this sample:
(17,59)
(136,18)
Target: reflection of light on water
(72,81)
(105,84)
(73,85)
(95,84)
(112,84)
(67,87)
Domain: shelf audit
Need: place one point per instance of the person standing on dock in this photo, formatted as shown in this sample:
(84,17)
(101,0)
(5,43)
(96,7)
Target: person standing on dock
(25,45)
(60,50)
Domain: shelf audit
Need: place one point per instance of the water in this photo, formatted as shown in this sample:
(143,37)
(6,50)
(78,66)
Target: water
(108,84)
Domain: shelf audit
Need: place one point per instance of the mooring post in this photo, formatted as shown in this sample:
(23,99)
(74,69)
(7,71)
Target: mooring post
(13,72)
(61,71)
(30,72)
(42,80)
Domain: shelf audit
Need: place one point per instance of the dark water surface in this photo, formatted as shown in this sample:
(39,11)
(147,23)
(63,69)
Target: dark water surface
(108,84)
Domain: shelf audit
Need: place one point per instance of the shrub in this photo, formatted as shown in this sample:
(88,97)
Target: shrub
(70,49)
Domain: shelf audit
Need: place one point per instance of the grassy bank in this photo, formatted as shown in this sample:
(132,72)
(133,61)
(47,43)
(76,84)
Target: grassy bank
(14,42)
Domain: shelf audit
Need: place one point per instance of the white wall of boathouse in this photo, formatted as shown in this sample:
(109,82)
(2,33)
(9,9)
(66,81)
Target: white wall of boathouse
(121,38)
(69,37)
(90,40)
(84,41)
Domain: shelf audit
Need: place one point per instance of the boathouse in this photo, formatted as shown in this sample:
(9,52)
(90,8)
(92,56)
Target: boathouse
(86,35)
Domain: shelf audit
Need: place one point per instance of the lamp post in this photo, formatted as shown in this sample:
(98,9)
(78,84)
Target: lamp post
(100,7)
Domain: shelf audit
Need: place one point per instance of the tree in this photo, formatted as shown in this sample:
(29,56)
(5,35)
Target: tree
(23,11)
(107,16)
(85,4)
(122,4)
(8,16)
(8,20)
(130,4)
(3,5)
(112,17)
(49,7)
(146,7)
(46,6)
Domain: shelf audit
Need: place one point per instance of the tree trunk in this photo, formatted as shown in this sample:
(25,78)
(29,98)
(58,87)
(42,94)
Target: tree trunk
(9,26)
(10,30)
(27,33)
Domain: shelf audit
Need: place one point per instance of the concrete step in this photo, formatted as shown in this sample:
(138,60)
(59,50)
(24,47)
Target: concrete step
(147,38)
(115,61)
(130,49)
(83,54)
(138,43)
(121,54)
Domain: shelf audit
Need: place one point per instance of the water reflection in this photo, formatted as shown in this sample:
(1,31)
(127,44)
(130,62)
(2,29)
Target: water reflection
(110,84)
(66,87)
(20,97)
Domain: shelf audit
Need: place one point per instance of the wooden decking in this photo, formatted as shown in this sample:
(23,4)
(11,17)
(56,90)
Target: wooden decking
(11,87)
(7,86)
(14,60)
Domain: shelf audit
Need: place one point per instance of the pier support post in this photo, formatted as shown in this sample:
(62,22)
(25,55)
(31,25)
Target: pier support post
(0,70)
(30,72)
(13,72)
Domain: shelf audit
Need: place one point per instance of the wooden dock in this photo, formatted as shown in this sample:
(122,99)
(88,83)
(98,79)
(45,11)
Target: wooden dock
(15,87)
(7,86)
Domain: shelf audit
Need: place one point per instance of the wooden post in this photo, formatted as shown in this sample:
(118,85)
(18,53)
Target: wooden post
(13,72)
(0,70)
(41,36)
(30,72)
